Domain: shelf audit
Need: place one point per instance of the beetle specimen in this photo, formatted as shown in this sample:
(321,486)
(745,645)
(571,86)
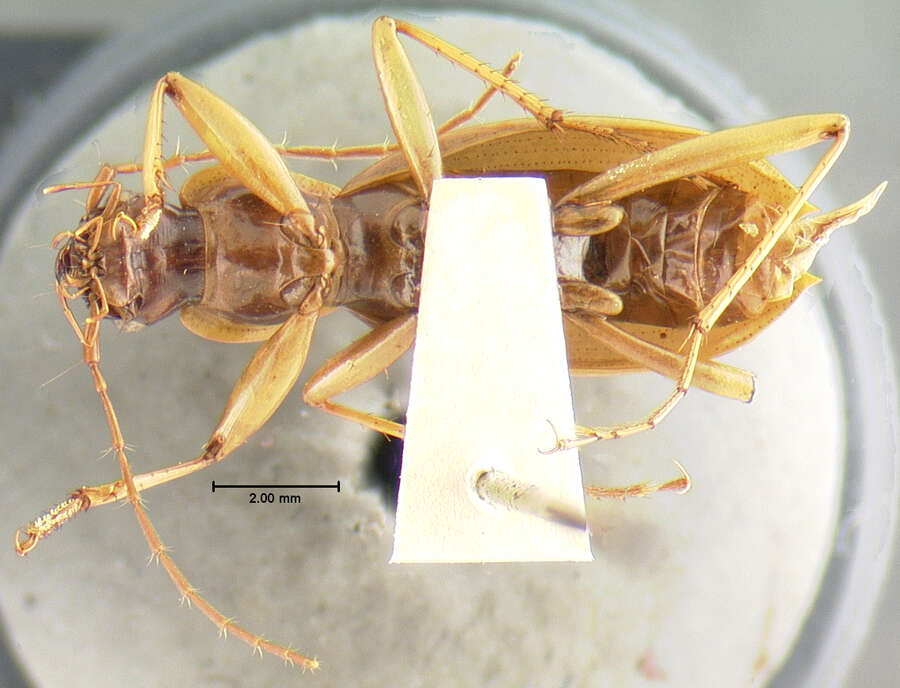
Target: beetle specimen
(673,246)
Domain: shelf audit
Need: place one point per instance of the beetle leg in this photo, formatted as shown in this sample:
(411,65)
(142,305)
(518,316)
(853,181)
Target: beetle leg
(408,109)
(233,140)
(706,153)
(359,362)
(104,180)
(715,377)
(209,324)
(679,485)
(406,106)
(317,152)
(465,115)
(263,385)
(379,150)
(453,122)
(587,219)
(585,307)
(546,114)
(576,295)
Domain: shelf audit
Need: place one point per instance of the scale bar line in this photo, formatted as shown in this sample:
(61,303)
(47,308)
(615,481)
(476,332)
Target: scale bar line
(334,486)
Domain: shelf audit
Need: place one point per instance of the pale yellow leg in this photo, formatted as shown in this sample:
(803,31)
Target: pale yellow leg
(406,106)
(104,180)
(546,114)
(680,485)
(361,361)
(712,376)
(233,140)
(378,150)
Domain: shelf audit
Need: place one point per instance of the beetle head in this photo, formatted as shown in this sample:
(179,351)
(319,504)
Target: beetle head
(92,261)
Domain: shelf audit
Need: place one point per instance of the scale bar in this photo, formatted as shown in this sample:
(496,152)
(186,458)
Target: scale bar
(334,486)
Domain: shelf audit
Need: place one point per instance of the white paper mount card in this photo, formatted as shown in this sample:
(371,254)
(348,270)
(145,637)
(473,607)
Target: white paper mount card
(489,372)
